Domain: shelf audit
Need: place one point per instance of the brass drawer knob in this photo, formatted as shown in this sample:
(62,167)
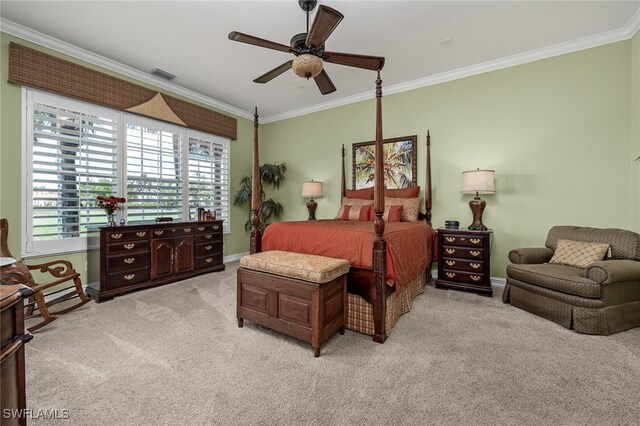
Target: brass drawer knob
(208,247)
(475,253)
(129,260)
(475,265)
(475,277)
(141,234)
(450,239)
(200,228)
(129,246)
(116,236)
(208,236)
(187,229)
(158,232)
(209,259)
(215,227)
(450,262)
(129,277)
(475,240)
(450,274)
(449,251)
(462,238)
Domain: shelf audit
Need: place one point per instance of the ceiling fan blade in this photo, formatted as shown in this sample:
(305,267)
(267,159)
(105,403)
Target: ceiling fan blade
(246,38)
(267,77)
(324,83)
(324,23)
(373,63)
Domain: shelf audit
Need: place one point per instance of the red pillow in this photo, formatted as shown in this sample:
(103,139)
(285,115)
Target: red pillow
(395,214)
(412,192)
(363,214)
(361,194)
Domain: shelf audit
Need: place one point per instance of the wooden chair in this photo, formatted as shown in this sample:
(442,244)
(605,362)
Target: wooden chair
(20,273)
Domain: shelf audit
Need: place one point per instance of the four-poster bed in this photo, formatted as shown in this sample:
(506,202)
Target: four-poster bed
(400,260)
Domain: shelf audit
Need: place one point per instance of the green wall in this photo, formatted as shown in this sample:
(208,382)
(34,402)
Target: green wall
(635,124)
(10,161)
(556,131)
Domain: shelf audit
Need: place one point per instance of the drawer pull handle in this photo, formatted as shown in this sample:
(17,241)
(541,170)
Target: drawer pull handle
(200,228)
(462,238)
(449,251)
(475,253)
(450,239)
(129,246)
(475,240)
(141,234)
(116,236)
(209,259)
(129,277)
(215,227)
(475,265)
(187,229)
(208,236)
(208,247)
(129,260)
(158,232)
(475,277)
(450,274)
(450,262)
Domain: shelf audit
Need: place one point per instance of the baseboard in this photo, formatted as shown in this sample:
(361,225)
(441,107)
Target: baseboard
(234,257)
(495,281)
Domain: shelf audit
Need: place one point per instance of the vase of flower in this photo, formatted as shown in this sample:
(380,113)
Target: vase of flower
(110,204)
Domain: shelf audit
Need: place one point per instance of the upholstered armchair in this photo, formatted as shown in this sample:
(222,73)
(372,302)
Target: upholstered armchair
(599,297)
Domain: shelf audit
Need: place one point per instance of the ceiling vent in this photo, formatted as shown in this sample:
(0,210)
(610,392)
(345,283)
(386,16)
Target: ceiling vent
(163,74)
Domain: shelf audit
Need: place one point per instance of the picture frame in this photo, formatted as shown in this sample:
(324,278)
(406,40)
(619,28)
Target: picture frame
(400,163)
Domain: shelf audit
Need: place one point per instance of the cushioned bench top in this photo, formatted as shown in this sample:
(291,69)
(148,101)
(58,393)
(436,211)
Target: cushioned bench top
(306,267)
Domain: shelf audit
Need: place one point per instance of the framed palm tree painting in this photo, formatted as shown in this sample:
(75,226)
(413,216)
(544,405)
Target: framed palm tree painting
(400,158)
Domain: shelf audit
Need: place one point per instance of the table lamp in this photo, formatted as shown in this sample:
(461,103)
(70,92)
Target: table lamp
(312,189)
(478,182)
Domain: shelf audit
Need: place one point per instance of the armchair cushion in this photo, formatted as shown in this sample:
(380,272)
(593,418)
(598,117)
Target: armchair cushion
(624,244)
(530,255)
(613,271)
(562,278)
(578,253)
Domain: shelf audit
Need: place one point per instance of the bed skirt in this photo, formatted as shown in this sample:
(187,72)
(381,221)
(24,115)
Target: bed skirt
(360,312)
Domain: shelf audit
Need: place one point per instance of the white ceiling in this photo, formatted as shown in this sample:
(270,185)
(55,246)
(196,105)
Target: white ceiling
(189,39)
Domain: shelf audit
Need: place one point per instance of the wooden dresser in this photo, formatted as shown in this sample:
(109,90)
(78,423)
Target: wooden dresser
(140,256)
(13,338)
(464,260)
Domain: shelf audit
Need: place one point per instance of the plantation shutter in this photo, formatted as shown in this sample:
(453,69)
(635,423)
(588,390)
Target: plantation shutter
(73,158)
(209,175)
(154,171)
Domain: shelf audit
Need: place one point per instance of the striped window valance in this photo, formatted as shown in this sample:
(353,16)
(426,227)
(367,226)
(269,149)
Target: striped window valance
(39,70)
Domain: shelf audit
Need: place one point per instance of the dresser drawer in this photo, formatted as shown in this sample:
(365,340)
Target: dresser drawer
(463,240)
(464,277)
(127,261)
(462,253)
(207,238)
(183,231)
(207,229)
(208,261)
(120,236)
(208,249)
(464,265)
(127,278)
(127,247)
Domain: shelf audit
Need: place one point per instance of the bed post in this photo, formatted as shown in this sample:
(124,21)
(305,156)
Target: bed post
(379,261)
(255,244)
(427,187)
(343,182)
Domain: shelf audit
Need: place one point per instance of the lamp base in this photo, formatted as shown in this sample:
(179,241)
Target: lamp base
(311,206)
(477,206)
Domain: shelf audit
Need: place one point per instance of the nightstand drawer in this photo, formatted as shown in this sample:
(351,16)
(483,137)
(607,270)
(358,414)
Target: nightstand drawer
(464,277)
(462,253)
(464,265)
(463,240)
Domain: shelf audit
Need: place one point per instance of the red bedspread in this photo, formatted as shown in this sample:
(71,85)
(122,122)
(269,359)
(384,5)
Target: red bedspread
(410,245)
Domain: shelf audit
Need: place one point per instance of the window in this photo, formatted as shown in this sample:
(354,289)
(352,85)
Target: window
(76,151)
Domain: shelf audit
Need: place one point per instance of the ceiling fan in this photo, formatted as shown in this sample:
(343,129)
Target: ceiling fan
(309,50)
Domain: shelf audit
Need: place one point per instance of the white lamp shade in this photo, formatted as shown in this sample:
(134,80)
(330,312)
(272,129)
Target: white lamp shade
(312,189)
(478,181)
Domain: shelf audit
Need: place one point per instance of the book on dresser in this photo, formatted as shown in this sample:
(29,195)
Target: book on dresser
(134,257)
(464,260)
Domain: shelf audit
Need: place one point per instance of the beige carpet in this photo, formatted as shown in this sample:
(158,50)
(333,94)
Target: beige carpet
(174,356)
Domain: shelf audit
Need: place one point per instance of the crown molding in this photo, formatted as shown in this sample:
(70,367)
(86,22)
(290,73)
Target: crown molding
(613,36)
(44,40)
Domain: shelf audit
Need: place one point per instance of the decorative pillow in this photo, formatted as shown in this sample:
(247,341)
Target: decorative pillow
(360,213)
(391,213)
(360,194)
(578,253)
(412,192)
(410,207)
(352,202)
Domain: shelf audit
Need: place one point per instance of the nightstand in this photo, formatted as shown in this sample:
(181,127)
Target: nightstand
(464,260)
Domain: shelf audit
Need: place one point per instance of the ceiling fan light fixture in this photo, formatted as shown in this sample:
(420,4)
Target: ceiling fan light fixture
(307,65)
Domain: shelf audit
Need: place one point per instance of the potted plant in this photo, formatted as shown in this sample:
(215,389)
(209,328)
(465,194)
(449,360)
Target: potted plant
(271,175)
